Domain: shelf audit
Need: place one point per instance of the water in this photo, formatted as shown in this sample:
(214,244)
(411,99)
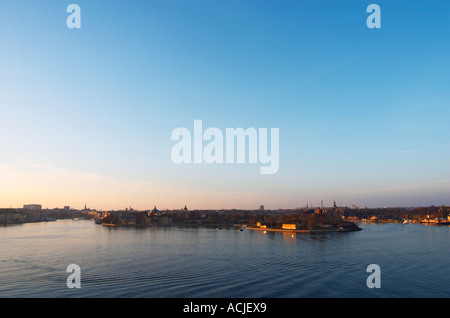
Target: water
(187,263)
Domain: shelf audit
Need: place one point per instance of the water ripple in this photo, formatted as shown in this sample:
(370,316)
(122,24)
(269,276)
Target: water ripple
(209,263)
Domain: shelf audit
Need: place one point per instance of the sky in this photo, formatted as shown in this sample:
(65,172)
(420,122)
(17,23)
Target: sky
(86,115)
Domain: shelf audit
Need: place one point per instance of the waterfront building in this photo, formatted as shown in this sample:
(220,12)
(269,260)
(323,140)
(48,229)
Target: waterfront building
(260,225)
(289,227)
(32,207)
(165,220)
(11,216)
(352,218)
(154,211)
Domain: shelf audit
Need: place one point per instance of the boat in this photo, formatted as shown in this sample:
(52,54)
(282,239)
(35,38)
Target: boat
(406,222)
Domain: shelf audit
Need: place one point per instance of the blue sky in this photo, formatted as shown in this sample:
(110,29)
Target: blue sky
(86,114)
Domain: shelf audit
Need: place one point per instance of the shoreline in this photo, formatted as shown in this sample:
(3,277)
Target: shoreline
(301,231)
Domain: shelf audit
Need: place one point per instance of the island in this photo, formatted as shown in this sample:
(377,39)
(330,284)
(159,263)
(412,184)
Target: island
(299,220)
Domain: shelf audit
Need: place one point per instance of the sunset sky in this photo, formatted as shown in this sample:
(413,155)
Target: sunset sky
(86,114)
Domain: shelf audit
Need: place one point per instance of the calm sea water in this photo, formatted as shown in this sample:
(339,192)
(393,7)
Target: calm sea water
(187,263)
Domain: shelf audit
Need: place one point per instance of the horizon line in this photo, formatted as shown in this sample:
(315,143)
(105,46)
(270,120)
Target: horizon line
(227,209)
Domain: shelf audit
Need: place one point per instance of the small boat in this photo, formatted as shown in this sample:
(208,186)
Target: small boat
(406,222)
(219,228)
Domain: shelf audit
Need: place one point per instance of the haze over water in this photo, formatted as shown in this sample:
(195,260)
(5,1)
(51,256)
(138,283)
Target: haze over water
(200,262)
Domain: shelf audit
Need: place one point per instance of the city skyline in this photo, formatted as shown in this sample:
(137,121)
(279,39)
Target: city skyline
(87,114)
